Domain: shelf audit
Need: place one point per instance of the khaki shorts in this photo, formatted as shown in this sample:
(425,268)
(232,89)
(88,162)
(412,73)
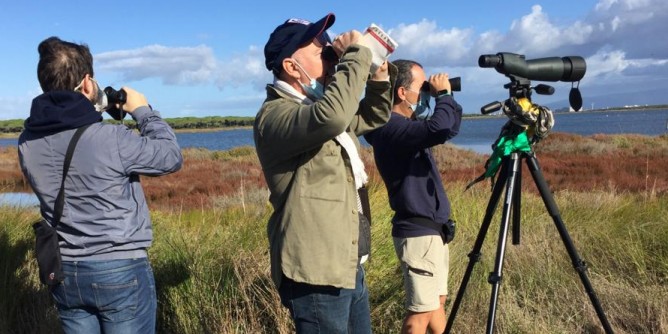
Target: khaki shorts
(424,262)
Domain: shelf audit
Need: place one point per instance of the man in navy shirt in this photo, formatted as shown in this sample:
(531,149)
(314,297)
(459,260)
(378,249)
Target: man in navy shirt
(402,150)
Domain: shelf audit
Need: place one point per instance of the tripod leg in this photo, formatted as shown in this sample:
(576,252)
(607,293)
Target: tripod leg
(495,276)
(474,255)
(517,205)
(579,264)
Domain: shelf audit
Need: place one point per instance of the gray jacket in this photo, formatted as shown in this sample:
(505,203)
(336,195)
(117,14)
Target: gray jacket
(105,216)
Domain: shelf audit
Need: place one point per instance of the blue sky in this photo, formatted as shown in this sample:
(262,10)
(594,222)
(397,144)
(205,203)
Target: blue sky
(205,58)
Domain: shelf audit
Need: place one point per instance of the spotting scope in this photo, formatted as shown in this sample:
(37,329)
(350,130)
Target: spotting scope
(569,69)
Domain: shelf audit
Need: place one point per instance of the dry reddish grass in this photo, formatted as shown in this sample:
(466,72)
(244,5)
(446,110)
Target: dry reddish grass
(11,178)
(204,176)
(626,163)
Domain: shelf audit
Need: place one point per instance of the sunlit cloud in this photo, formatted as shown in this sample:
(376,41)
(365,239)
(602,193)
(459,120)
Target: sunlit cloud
(172,65)
(244,69)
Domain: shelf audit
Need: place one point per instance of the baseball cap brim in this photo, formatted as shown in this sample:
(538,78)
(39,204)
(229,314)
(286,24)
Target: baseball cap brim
(290,36)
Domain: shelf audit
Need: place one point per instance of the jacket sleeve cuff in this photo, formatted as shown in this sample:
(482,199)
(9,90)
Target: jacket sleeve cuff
(143,113)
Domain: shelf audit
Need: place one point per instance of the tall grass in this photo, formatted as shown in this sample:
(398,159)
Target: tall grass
(212,271)
(211,263)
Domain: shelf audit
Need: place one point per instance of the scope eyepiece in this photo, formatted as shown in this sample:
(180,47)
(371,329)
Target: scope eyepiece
(490,60)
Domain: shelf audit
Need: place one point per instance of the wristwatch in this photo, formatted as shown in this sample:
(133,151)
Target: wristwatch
(442,93)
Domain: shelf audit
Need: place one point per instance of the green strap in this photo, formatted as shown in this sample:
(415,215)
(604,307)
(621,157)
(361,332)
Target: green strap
(505,146)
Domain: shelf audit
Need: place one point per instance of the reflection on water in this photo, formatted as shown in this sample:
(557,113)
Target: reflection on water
(19,199)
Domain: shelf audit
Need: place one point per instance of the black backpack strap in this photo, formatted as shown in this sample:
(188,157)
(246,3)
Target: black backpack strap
(60,200)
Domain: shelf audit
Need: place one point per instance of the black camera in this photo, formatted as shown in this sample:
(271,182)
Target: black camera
(569,69)
(455,85)
(115,97)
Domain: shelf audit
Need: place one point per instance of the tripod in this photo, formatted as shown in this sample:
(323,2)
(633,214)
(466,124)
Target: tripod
(510,176)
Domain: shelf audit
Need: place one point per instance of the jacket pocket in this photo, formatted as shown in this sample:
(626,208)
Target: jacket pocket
(324,175)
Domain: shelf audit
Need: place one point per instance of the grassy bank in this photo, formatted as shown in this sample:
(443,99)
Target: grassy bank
(211,263)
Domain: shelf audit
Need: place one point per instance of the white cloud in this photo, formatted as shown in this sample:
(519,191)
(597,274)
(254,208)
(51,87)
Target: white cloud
(604,5)
(604,67)
(631,25)
(186,66)
(173,65)
(613,38)
(534,31)
(423,41)
(606,64)
(244,69)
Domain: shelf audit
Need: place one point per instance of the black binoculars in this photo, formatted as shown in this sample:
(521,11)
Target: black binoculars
(115,97)
(455,85)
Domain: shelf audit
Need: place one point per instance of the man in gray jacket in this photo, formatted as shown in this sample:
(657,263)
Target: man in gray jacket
(105,227)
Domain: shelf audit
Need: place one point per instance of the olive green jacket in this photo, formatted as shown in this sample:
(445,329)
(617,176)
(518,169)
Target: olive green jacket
(313,230)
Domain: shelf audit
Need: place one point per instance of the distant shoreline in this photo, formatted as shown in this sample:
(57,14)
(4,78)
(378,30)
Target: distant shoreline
(16,134)
(466,116)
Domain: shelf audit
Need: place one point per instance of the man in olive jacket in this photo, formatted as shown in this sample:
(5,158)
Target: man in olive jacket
(306,139)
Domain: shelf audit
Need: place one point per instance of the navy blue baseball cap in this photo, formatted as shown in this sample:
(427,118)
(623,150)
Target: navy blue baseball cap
(290,36)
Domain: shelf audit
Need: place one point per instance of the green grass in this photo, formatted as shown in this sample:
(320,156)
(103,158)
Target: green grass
(212,270)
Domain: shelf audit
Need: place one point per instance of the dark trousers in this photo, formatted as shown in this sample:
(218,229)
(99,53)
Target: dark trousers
(326,309)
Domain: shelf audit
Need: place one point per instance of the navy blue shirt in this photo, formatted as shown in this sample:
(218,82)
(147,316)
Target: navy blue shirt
(402,150)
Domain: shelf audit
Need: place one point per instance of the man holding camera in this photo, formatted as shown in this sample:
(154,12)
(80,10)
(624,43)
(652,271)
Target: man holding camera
(306,139)
(421,226)
(105,227)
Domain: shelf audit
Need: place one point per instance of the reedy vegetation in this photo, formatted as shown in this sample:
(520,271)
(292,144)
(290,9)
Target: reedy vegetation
(210,254)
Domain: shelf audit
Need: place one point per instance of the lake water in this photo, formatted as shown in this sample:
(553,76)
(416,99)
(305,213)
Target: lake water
(476,134)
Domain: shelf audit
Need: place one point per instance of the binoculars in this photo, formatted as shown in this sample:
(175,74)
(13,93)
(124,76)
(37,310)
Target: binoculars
(115,97)
(455,85)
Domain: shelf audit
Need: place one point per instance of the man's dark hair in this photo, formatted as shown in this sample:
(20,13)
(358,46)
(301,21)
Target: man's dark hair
(404,75)
(62,65)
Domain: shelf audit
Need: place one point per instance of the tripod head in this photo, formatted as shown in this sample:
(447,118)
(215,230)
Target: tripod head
(524,115)
(519,88)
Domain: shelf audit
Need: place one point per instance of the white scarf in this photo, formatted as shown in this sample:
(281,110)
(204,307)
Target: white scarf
(343,138)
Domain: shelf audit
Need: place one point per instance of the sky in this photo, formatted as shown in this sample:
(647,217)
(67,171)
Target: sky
(205,58)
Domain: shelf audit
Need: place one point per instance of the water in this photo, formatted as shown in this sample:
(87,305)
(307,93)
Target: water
(476,134)
(19,199)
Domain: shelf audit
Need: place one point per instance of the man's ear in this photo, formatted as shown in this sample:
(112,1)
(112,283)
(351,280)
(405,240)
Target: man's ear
(401,94)
(88,87)
(290,69)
